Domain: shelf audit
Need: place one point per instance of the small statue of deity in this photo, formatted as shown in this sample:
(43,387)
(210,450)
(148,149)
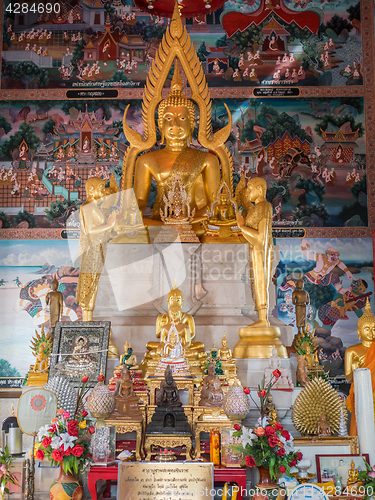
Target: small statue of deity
(41,346)
(224,353)
(323,429)
(271,410)
(168,395)
(353,483)
(301,300)
(211,395)
(128,358)
(302,376)
(126,402)
(56,303)
(284,381)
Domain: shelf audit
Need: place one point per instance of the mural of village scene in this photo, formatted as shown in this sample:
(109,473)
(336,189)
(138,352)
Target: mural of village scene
(26,273)
(310,151)
(89,43)
(339,276)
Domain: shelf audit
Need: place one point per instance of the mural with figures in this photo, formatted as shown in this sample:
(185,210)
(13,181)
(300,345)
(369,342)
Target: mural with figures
(311,151)
(87,44)
(338,275)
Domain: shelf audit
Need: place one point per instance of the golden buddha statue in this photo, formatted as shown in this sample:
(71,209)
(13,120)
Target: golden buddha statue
(185,327)
(199,170)
(353,483)
(228,364)
(41,346)
(271,410)
(95,232)
(128,358)
(224,353)
(258,339)
(360,356)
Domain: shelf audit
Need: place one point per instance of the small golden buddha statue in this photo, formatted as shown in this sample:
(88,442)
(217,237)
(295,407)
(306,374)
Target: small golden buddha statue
(271,410)
(323,429)
(258,339)
(360,356)
(221,224)
(95,232)
(228,364)
(199,170)
(353,483)
(185,326)
(224,352)
(56,303)
(41,346)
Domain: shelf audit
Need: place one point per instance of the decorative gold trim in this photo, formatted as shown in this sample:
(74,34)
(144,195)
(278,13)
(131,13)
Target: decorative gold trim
(329,441)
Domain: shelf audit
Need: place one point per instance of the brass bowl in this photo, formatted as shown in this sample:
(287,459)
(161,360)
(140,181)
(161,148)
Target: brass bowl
(303,480)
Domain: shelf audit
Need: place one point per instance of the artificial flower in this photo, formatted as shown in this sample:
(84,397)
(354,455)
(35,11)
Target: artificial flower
(273,441)
(55,442)
(3,470)
(262,393)
(82,424)
(54,420)
(281,452)
(39,454)
(246,390)
(237,427)
(85,379)
(278,427)
(42,432)
(56,455)
(293,462)
(269,431)
(299,456)
(276,373)
(259,431)
(60,411)
(91,429)
(46,442)
(66,414)
(282,469)
(78,450)
(67,441)
(249,461)
(84,413)
(286,435)
(247,436)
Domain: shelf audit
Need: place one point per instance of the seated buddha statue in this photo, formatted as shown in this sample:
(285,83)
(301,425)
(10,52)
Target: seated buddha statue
(360,356)
(126,402)
(353,482)
(212,394)
(185,326)
(323,429)
(199,170)
(128,358)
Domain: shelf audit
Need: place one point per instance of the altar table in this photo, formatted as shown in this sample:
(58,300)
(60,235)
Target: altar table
(221,474)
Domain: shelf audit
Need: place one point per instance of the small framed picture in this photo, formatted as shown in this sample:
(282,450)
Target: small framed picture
(331,467)
(80,348)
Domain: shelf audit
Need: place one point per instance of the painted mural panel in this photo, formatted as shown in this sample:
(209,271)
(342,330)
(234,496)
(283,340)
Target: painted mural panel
(277,43)
(27,268)
(311,152)
(338,274)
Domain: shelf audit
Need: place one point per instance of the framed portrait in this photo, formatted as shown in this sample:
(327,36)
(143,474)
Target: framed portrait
(328,467)
(80,348)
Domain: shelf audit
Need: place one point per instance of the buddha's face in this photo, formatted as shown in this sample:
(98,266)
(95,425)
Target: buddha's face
(175,299)
(176,124)
(223,199)
(175,313)
(367,331)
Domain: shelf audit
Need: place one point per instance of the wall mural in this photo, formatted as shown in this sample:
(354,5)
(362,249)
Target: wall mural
(338,274)
(311,151)
(112,45)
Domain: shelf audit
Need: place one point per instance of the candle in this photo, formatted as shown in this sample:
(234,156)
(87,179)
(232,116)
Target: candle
(364,411)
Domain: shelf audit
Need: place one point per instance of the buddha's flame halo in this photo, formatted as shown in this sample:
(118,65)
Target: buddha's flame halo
(176,44)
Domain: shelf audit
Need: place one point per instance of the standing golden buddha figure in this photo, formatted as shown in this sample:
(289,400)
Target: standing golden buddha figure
(259,338)
(198,170)
(95,232)
(361,356)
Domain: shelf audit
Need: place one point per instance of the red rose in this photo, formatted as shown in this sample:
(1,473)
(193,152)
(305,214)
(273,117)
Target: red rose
(282,469)
(78,450)
(56,455)
(84,413)
(237,427)
(293,462)
(85,379)
(246,390)
(281,452)
(72,428)
(46,442)
(273,441)
(39,454)
(278,426)
(269,431)
(286,435)
(249,461)
(276,373)
(66,452)
(91,429)
(299,456)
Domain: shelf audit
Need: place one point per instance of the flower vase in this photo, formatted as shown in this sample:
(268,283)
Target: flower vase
(266,489)
(66,487)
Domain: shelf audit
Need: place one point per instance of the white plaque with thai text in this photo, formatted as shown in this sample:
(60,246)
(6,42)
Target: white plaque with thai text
(168,481)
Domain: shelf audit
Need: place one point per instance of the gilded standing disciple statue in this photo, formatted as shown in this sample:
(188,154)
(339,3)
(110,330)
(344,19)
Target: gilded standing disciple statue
(360,356)
(95,232)
(301,300)
(198,170)
(258,339)
(55,301)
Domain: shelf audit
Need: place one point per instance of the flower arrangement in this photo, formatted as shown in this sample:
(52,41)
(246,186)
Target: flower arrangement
(270,446)
(66,441)
(263,392)
(5,475)
(368,478)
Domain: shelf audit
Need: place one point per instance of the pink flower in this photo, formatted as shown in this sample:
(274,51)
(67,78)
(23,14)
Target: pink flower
(66,414)
(372,473)
(3,470)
